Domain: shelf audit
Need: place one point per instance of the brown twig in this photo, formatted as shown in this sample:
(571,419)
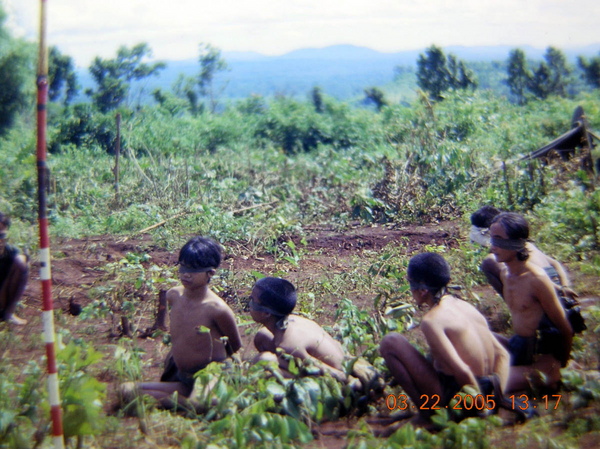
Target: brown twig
(160,223)
(126,327)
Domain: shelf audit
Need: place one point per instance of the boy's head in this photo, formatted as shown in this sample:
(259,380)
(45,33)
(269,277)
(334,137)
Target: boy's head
(483,217)
(274,296)
(481,221)
(199,253)
(428,271)
(510,232)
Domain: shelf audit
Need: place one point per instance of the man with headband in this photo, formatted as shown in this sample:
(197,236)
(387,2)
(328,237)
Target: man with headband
(203,327)
(543,333)
(283,335)
(481,221)
(14,273)
(464,350)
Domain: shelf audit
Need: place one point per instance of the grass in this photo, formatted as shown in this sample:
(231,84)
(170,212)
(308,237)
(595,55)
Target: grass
(247,181)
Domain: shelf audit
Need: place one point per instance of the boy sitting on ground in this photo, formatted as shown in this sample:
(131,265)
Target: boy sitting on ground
(285,335)
(272,302)
(14,273)
(544,335)
(481,220)
(203,327)
(464,350)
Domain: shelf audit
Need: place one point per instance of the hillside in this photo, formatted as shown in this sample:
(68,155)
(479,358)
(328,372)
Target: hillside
(342,71)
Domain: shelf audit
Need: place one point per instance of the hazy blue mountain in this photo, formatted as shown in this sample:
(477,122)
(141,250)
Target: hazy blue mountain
(342,71)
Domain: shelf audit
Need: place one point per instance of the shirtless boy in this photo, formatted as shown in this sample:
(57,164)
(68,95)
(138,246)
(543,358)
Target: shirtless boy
(534,306)
(13,275)
(464,350)
(481,221)
(271,304)
(203,327)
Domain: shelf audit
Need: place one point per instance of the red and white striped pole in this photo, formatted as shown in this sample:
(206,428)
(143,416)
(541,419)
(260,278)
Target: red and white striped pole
(47,313)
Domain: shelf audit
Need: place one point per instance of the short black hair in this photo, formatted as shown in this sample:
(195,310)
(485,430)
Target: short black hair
(516,228)
(483,217)
(4,220)
(277,294)
(429,269)
(201,252)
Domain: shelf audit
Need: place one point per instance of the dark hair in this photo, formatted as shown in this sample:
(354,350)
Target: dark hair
(277,294)
(4,220)
(516,228)
(429,269)
(200,252)
(483,217)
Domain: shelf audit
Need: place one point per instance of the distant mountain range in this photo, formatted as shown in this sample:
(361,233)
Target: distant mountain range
(342,71)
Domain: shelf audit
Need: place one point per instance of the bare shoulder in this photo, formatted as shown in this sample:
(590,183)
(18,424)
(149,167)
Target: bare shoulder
(174,293)
(452,312)
(538,276)
(217,304)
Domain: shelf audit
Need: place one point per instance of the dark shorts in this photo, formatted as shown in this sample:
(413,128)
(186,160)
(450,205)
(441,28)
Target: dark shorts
(488,385)
(524,349)
(449,387)
(172,374)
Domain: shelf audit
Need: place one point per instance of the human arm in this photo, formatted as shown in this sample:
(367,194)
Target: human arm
(501,363)
(445,354)
(322,367)
(564,288)
(548,300)
(225,321)
(562,274)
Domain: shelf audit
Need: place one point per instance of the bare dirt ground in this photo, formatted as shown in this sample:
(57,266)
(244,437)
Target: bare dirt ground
(77,267)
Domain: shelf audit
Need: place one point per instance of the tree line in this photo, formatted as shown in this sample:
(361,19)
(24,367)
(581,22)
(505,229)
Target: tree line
(436,74)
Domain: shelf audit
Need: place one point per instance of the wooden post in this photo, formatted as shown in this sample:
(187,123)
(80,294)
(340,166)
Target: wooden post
(117,153)
(161,312)
(126,327)
(510,201)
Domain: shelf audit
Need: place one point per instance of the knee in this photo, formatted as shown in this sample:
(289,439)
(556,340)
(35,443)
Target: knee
(266,356)
(263,341)
(392,344)
(21,266)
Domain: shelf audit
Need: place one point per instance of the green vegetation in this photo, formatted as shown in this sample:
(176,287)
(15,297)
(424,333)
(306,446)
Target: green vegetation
(435,74)
(263,176)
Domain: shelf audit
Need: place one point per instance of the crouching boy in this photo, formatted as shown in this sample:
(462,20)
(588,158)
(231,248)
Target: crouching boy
(464,350)
(203,327)
(272,302)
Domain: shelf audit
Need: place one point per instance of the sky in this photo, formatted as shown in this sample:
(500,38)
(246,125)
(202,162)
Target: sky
(174,29)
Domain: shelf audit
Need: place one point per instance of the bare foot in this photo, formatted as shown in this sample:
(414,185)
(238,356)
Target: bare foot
(14,319)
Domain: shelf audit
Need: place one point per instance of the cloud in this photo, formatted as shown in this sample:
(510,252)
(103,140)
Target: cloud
(86,28)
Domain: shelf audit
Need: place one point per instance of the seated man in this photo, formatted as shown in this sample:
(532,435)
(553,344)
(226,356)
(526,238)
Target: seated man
(203,327)
(14,273)
(271,304)
(481,221)
(464,350)
(543,333)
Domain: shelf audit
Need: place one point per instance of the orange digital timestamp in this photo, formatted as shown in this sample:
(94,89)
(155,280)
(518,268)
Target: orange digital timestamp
(523,401)
(466,402)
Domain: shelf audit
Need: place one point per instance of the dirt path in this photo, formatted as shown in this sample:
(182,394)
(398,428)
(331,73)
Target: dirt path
(78,265)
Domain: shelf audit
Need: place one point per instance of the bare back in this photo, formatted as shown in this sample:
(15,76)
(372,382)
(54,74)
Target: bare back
(193,347)
(305,337)
(459,337)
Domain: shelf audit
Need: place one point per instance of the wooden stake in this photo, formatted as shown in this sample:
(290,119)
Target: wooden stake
(126,327)
(117,153)
(510,201)
(161,313)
